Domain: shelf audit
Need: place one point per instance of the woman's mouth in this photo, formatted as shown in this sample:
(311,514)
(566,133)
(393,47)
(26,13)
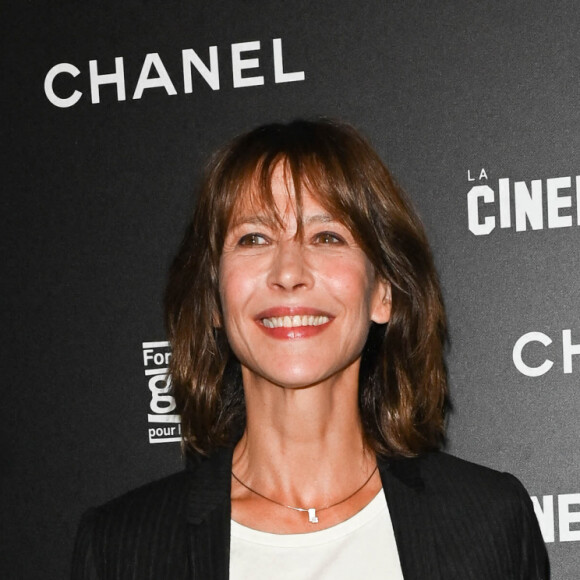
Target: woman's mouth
(294,321)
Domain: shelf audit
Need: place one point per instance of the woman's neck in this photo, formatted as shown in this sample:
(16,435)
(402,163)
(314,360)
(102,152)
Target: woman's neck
(303,446)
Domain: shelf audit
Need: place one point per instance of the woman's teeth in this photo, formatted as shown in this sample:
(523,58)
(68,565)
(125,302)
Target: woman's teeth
(293,321)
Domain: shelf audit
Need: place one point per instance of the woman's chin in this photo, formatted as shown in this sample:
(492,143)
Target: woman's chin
(297,376)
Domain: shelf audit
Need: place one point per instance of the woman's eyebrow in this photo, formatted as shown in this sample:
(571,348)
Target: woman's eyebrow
(271,222)
(253,220)
(319,218)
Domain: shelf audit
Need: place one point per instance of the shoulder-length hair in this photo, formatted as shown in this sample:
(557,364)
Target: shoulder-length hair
(402,385)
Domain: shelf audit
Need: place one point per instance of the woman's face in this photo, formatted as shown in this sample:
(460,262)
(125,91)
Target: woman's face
(296,310)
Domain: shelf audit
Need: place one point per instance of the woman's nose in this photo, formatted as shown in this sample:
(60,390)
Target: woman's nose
(289,269)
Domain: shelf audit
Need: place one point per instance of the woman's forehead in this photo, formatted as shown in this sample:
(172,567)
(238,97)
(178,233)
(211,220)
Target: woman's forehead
(279,203)
(280,190)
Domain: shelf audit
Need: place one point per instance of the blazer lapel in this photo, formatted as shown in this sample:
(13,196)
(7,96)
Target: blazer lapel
(410,509)
(209,515)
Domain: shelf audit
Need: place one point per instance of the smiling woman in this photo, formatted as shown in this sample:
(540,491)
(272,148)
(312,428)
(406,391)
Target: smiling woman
(308,331)
(297,308)
(251,212)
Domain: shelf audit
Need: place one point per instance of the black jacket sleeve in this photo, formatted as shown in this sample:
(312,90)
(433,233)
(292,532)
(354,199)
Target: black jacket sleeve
(534,558)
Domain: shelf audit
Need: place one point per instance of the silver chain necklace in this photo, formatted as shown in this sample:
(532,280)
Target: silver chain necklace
(312,517)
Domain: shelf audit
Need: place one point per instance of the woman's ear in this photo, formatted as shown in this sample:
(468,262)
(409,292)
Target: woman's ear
(381,312)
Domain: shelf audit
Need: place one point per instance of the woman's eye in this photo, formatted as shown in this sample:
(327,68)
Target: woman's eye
(328,238)
(252,240)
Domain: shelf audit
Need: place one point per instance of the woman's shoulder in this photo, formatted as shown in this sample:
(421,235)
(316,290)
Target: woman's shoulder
(144,532)
(165,498)
(478,514)
(168,495)
(475,493)
(449,480)
(172,489)
(124,536)
(147,509)
(446,472)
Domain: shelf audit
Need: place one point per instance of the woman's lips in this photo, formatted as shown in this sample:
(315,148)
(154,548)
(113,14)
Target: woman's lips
(293,322)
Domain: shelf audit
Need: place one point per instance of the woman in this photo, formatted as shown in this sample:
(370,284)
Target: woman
(307,329)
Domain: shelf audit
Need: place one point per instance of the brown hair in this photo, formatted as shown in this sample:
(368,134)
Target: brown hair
(402,386)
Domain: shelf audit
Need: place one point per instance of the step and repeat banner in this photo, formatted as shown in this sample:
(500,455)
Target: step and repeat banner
(110,112)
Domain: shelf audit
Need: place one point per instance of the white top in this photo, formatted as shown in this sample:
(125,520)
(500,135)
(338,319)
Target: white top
(361,547)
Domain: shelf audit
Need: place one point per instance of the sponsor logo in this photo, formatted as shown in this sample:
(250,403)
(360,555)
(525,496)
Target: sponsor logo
(243,56)
(521,205)
(532,360)
(164,424)
(568,516)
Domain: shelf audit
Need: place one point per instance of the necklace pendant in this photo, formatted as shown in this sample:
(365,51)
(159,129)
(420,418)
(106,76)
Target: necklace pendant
(312,518)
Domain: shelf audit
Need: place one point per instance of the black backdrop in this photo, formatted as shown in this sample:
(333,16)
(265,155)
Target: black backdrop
(454,95)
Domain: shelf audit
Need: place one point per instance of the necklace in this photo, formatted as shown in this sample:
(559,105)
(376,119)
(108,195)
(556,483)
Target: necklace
(312,517)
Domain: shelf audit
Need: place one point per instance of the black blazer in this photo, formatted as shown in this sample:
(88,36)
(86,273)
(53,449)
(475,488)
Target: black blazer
(452,520)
